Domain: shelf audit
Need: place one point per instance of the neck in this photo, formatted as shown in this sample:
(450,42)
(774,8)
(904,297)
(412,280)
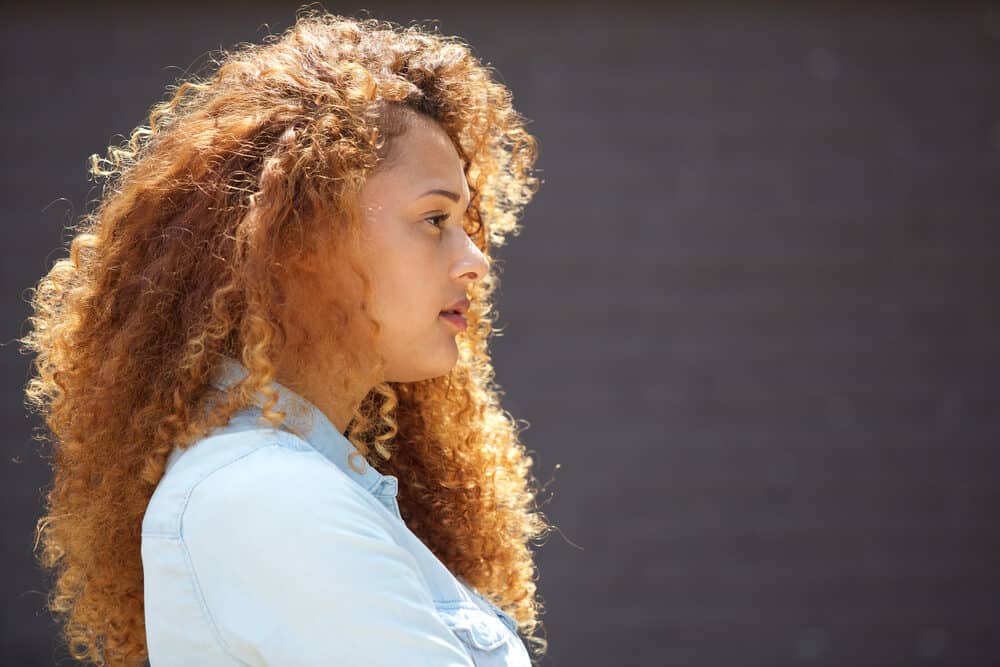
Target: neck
(308,362)
(312,382)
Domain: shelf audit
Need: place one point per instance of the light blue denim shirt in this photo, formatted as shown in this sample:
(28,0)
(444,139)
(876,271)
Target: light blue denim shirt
(262,546)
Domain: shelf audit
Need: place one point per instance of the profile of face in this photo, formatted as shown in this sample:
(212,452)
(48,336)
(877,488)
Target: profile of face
(416,249)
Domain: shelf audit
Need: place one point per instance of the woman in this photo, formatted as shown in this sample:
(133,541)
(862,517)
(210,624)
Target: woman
(264,370)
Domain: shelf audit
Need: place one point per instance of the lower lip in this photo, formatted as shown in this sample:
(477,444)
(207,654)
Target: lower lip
(455,319)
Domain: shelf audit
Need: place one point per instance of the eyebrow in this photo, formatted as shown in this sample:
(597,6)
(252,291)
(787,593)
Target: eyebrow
(438,191)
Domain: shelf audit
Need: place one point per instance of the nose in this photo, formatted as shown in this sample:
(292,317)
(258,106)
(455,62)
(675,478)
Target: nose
(471,264)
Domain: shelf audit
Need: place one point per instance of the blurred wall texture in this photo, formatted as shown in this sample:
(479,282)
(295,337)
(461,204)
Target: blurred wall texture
(752,317)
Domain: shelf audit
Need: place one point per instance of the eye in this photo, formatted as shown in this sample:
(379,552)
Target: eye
(441,217)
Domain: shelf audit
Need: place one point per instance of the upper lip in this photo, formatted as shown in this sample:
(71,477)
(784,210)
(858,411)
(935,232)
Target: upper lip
(461,306)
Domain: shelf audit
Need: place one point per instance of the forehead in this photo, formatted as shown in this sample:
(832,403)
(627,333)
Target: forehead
(423,157)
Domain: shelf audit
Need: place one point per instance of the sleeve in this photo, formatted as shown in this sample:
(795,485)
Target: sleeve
(295,566)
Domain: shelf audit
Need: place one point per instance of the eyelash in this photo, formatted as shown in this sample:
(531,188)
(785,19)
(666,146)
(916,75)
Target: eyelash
(442,217)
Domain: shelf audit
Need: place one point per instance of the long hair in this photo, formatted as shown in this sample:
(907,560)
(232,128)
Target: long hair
(184,258)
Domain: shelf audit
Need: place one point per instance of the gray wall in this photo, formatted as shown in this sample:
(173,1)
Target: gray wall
(752,316)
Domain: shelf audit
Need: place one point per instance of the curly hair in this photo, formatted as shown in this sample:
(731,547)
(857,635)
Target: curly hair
(184,258)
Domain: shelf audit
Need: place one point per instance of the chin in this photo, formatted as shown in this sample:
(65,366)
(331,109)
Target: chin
(444,369)
(419,377)
(429,373)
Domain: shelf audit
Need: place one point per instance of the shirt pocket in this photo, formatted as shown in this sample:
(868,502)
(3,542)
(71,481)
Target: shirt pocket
(484,635)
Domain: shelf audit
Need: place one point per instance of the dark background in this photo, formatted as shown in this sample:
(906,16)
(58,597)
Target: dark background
(752,316)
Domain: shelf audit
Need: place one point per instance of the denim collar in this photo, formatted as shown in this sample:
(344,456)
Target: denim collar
(312,425)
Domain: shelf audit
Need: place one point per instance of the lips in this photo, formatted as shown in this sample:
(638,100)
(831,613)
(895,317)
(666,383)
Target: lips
(455,319)
(460,307)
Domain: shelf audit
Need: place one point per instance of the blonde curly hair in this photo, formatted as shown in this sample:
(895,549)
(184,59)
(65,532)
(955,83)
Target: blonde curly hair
(184,260)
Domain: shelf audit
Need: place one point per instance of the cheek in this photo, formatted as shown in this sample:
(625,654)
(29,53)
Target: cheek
(403,292)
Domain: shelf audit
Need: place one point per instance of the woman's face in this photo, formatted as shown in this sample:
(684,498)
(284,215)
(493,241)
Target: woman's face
(418,252)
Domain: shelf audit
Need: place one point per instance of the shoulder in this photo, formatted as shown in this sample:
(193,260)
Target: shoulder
(260,476)
(292,561)
(278,486)
(280,507)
